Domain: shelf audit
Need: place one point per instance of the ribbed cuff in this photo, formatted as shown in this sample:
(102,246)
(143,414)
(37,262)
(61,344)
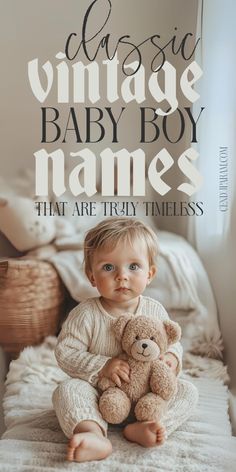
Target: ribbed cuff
(94,377)
(69,423)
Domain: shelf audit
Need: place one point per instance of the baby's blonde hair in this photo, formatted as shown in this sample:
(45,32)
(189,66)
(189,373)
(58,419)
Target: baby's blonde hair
(108,233)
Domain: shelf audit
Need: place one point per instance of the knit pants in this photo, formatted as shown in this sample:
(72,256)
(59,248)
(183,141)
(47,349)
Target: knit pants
(76,400)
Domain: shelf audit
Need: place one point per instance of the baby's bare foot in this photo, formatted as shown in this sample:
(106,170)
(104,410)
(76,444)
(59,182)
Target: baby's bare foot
(88,447)
(147,433)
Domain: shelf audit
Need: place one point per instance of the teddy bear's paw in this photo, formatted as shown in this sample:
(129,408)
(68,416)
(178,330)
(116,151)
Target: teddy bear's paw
(163,381)
(150,407)
(104,383)
(114,405)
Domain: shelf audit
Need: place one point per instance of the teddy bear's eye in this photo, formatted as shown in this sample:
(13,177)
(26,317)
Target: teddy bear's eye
(152,338)
(137,337)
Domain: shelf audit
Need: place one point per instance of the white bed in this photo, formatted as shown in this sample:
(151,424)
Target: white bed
(33,440)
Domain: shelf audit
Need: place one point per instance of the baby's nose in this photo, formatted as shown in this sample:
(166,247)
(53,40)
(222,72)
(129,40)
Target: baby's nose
(122,275)
(144,345)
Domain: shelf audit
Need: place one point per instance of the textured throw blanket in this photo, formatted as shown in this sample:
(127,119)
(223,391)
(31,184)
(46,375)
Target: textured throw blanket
(34,442)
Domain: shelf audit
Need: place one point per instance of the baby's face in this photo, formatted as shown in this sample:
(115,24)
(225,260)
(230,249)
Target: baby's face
(122,273)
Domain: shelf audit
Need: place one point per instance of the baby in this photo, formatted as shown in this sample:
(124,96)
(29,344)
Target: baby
(120,261)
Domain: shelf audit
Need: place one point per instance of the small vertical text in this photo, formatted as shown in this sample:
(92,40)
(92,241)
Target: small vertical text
(223,178)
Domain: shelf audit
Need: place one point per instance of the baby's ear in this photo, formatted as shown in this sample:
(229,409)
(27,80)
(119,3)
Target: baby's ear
(173,331)
(120,324)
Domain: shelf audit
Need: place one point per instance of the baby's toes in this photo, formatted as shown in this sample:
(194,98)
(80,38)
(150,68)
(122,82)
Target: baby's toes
(160,441)
(70,453)
(161,435)
(162,431)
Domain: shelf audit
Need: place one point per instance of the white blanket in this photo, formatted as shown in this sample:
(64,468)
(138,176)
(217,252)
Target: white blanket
(33,441)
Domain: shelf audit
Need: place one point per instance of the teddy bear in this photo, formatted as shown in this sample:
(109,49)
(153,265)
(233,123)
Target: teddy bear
(152,383)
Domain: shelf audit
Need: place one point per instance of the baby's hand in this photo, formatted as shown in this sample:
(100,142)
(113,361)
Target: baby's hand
(115,370)
(170,360)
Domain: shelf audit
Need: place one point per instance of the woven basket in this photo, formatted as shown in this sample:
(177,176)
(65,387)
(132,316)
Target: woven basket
(32,298)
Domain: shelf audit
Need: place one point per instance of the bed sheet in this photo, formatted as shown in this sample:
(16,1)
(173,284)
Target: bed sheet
(34,442)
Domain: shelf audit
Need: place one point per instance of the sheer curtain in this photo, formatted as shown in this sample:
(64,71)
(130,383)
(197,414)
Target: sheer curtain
(214,233)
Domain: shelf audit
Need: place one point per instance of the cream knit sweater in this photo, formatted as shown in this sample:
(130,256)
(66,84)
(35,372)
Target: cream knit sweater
(87,341)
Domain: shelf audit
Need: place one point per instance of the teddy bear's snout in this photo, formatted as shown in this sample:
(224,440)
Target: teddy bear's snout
(145,350)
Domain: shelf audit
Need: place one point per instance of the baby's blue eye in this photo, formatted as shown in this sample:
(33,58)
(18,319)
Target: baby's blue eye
(133,266)
(108,267)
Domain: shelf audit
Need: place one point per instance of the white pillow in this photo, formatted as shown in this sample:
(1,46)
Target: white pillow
(22,226)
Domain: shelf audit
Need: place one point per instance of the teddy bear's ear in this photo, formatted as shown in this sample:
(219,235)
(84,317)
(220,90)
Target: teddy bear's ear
(173,331)
(120,324)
